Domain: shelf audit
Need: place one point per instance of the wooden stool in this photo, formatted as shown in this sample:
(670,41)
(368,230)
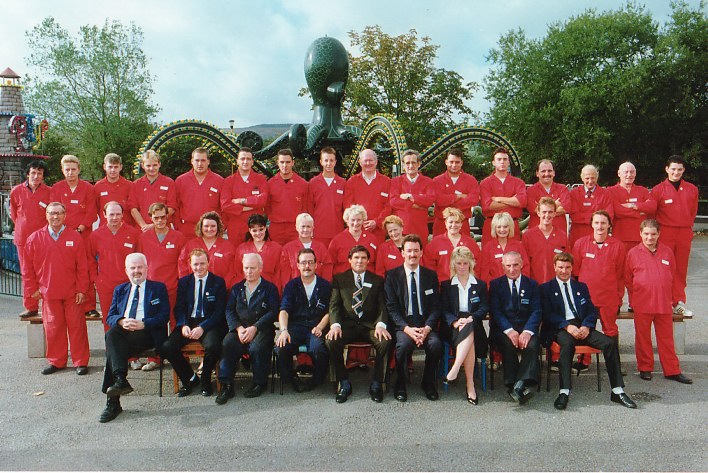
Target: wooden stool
(189,351)
(554,349)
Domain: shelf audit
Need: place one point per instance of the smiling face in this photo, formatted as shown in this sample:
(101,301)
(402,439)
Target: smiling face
(210,228)
(502,230)
(199,264)
(55,216)
(244,161)
(35,177)
(257,232)
(394,231)
(563,270)
(650,237)
(411,254)
(114,216)
(151,168)
(328,161)
(545,174)
(512,265)
(453,225)
(305,229)
(368,161)
(306,264)
(454,165)
(355,222)
(627,173)
(136,268)
(675,171)
(589,178)
(411,163)
(546,214)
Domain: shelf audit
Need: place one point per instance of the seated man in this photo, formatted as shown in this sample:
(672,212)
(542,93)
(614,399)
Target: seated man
(250,313)
(569,318)
(304,315)
(138,319)
(413,303)
(199,315)
(357,313)
(515,311)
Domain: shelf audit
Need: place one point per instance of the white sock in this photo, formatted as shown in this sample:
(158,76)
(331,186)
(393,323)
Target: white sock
(194,377)
(565,391)
(618,390)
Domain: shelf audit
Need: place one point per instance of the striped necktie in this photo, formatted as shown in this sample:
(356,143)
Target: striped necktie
(357,298)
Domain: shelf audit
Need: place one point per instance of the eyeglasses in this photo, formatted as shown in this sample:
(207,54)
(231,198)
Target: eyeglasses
(306,263)
(55,213)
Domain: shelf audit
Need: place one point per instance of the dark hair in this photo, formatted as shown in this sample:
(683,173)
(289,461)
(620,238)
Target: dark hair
(359,249)
(500,149)
(544,161)
(210,215)
(677,159)
(456,152)
(328,150)
(245,149)
(410,152)
(565,257)
(257,220)
(602,212)
(36,164)
(412,238)
(306,251)
(286,152)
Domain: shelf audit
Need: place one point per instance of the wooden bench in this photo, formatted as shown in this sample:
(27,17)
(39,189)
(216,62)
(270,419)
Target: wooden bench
(36,342)
(679,330)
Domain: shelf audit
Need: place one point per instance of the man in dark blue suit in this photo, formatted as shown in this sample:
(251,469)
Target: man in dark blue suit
(413,303)
(199,315)
(569,318)
(138,318)
(250,313)
(515,309)
(304,315)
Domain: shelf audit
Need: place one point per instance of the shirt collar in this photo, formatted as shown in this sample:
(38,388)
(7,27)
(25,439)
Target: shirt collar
(470,281)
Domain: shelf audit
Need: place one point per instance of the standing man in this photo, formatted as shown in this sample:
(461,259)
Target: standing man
(199,315)
(631,204)
(304,318)
(250,313)
(370,189)
(649,271)
(197,191)
(515,311)
(151,188)
(501,192)
(287,198)
(357,313)
(113,188)
(454,188)
(138,318)
(544,241)
(326,201)
(28,203)
(545,187)
(569,318)
(586,199)
(411,195)
(57,273)
(413,303)
(677,206)
(243,194)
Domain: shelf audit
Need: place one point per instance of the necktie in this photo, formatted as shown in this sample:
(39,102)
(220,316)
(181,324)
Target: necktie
(414,296)
(514,296)
(200,301)
(588,194)
(571,306)
(357,298)
(133,313)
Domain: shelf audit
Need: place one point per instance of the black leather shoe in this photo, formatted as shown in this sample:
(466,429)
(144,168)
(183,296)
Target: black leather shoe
(624,399)
(50,369)
(401,393)
(645,375)
(120,387)
(430,391)
(81,370)
(376,394)
(185,391)
(681,378)
(226,393)
(28,313)
(343,394)
(472,400)
(561,402)
(578,367)
(521,395)
(206,389)
(111,411)
(255,390)
(93,314)
(301,386)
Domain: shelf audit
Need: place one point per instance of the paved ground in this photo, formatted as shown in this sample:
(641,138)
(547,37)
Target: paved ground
(59,430)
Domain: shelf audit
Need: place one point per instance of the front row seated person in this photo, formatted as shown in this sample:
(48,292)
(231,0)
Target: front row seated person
(515,311)
(250,314)
(569,318)
(303,318)
(357,313)
(138,319)
(199,312)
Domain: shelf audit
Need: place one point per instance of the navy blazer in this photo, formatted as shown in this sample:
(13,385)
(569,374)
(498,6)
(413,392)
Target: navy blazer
(503,316)
(302,311)
(476,301)
(554,307)
(260,311)
(214,302)
(396,288)
(156,306)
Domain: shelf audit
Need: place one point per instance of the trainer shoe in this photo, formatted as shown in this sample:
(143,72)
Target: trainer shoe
(682,310)
(28,313)
(149,366)
(136,364)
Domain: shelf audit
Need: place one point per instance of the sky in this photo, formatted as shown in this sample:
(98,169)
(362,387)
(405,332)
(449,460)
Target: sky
(219,60)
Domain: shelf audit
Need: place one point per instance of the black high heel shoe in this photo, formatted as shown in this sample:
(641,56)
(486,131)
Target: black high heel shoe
(473,401)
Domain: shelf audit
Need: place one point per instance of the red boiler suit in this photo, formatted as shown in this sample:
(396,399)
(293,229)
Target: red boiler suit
(492,186)
(118,191)
(255,190)
(222,255)
(437,255)
(326,205)
(556,192)
(541,251)
(582,207)
(343,242)
(145,193)
(374,197)
(286,200)
(446,192)
(415,220)
(194,199)
(288,260)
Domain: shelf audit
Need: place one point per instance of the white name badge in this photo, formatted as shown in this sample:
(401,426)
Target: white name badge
(633,199)
(458,192)
(665,262)
(391,256)
(587,204)
(589,255)
(366,284)
(428,292)
(669,201)
(218,255)
(69,243)
(128,245)
(164,188)
(213,189)
(442,252)
(499,255)
(104,193)
(384,194)
(255,192)
(556,250)
(340,191)
(74,201)
(372,245)
(170,246)
(43,205)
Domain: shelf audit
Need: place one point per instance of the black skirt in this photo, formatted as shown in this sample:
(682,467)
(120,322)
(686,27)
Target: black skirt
(480,336)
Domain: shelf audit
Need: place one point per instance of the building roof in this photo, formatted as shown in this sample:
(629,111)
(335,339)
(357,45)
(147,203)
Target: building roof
(9,73)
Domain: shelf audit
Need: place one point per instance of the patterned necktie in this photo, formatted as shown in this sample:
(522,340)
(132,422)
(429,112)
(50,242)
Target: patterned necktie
(514,296)
(200,301)
(357,298)
(414,296)
(133,313)
(570,300)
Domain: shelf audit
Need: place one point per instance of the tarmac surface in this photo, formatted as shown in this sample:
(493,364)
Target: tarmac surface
(59,429)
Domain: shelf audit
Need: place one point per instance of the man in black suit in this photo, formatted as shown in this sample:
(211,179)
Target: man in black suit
(413,303)
(515,309)
(250,313)
(357,313)
(569,318)
(138,318)
(199,315)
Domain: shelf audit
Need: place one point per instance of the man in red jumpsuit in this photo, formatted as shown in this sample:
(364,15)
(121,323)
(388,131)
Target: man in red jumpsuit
(370,189)
(28,203)
(243,194)
(677,206)
(113,188)
(501,192)
(327,198)
(198,192)
(57,273)
(454,188)
(411,195)
(546,187)
(287,198)
(585,200)
(649,272)
(152,187)
(544,241)
(631,204)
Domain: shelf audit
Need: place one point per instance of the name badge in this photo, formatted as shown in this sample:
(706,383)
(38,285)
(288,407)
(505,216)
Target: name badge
(154,301)
(372,245)
(210,298)
(474,299)
(525,301)
(71,243)
(104,193)
(256,192)
(264,305)
(499,255)
(589,255)
(442,252)
(128,245)
(74,201)
(213,189)
(582,301)
(669,201)
(366,284)
(556,250)
(169,246)
(663,261)
(458,192)
(391,256)
(428,292)
(384,194)
(164,188)
(321,305)
(340,191)
(43,205)
(633,199)
(218,255)
(587,204)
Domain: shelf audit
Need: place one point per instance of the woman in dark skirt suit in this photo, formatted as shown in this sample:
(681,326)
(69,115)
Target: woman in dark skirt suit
(465,305)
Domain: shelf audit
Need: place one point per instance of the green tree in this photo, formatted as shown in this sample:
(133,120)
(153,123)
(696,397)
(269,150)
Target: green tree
(95,88)
(604,88)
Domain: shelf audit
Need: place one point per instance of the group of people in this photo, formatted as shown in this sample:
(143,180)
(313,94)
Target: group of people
(314,257)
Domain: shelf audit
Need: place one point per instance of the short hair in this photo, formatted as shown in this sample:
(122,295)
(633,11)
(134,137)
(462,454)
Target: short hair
(626,164)
(368,151)
(198,252)
(412,238)
(328,150)
(112,202)
(410,152)
(603,213)
(150,154)
(589,168)
(55,204)
(256,220)
(245,149)
(676,159)
(156,207)
(461,252)
(286,152)
(200,150)
(255,256)
(355,209)
(544,161)
(453,212)
(358,249)
(302,218)
(70,158)
(500,149)
(547,201)
(306,251)
(211,215)
(513,254)
(36,164)
(394,219)
(455,151)
(650,223)
(112,158)
(136,256)
(565,257)
(502,218)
